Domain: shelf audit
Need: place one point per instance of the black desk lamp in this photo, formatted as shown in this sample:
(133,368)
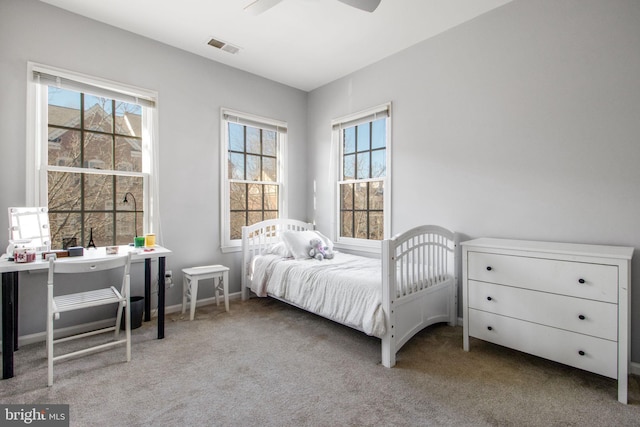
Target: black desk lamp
(135,211)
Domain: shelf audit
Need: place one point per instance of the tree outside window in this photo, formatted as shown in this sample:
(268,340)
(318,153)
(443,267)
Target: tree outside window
(253,176)
(94,158)
(362,183)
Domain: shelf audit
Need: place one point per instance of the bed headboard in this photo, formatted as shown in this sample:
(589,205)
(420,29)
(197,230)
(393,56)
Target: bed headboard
(259,236)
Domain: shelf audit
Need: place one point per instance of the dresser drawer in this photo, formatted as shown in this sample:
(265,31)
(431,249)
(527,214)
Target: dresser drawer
(579,279)
(599,319)
(581,351)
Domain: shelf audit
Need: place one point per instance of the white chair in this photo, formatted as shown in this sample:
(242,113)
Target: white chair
(83,300)
(190,278)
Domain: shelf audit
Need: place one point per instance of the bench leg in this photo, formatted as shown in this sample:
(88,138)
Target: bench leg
(194,297)
(216,288)
(185,291)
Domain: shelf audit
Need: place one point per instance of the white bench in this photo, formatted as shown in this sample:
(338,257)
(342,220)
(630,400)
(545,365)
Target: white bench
(190,278)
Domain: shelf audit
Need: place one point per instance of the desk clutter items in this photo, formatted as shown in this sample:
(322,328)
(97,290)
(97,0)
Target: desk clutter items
(112,250)
(62,253)
(22,255)
(16,244)
(56,253)
(76,251)
(29,227)
(149,240)
(20,251)
(138,241)
(91,242)
(29,233)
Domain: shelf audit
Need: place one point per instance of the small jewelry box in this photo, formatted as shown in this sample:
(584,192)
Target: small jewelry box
(24,255)
(76,251)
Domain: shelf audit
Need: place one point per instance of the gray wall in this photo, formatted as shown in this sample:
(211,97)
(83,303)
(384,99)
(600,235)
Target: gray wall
(523,123)
(191,91)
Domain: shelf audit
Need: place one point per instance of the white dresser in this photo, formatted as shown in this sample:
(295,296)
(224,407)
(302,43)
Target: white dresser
(564,302)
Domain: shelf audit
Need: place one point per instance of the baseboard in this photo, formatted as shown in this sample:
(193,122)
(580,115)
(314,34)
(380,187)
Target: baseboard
(91,326)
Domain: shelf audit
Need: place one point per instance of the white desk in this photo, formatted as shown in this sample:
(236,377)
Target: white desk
(10,273)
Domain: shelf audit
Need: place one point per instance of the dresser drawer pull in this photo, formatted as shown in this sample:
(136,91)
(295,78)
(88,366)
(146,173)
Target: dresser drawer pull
(489,298)
(581,281)
(490,328)
(489,268)
(581,353)
(581,317)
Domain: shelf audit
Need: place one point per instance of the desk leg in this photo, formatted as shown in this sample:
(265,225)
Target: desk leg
(15,312)
(161,267)
(147,289)
(9,285)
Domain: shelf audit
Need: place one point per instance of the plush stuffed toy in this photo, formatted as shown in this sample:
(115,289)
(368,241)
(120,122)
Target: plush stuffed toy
(319,251)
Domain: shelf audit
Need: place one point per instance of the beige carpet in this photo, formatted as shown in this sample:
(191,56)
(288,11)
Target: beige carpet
(266,363)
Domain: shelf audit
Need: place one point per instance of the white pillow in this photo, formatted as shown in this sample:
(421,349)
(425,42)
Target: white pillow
(298,242)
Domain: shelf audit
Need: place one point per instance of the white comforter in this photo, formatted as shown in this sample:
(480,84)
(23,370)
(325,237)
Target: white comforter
(346,289)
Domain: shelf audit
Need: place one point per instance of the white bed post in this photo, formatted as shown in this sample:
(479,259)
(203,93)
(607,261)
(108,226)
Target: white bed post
(465,303)
(388,340)
(245,260)
(456,266)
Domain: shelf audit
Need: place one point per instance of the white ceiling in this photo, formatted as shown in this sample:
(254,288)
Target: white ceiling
(301,43)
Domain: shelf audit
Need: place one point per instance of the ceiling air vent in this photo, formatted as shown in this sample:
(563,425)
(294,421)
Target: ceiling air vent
(219,44)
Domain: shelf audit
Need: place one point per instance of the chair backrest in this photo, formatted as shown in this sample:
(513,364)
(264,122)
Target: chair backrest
(87,265)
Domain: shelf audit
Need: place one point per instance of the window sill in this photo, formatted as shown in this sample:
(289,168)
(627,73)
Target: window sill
(228,249)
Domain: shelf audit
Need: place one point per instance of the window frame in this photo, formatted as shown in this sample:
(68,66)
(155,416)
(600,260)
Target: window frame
(228,115)
(37,166)
(338,125)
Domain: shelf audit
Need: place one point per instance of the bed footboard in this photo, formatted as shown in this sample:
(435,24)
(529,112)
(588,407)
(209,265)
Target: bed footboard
(419,284)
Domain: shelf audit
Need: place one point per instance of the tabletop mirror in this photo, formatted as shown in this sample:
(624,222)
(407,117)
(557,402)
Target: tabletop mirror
(29,227)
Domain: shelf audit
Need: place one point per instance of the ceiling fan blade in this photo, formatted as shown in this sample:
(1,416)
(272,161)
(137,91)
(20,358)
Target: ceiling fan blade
(366,5)
(256,7)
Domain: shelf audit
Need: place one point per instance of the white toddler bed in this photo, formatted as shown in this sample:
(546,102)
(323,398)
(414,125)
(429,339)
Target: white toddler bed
(413,284)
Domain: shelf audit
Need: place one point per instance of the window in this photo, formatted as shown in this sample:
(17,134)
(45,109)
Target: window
(363,183)
(92,157)
(253,176)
